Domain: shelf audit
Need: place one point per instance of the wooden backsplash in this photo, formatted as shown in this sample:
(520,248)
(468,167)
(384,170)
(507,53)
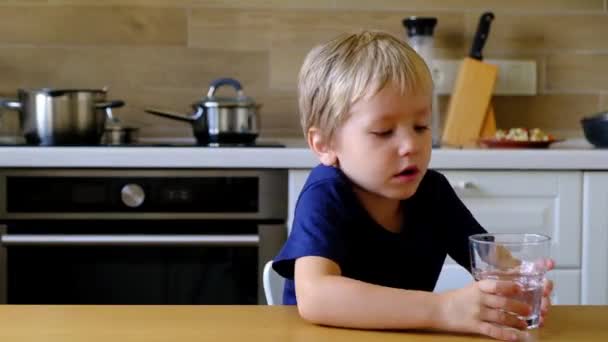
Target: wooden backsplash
(164,53)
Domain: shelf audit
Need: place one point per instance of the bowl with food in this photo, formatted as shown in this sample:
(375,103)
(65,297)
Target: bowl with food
(519,138)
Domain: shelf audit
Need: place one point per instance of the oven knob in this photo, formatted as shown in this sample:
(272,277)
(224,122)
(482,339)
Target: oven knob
(132,195)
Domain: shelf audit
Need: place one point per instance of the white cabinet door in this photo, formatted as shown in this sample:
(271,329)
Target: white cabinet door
(546,202)
(595,239)
(567,287)
(296,180)
(566,291)
(2,248)
(453,276)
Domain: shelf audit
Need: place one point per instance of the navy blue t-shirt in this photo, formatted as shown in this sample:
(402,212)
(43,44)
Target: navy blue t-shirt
(329,221)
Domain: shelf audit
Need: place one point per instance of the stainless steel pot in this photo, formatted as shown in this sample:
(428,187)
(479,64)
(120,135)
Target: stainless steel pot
(221,119)
(62,116)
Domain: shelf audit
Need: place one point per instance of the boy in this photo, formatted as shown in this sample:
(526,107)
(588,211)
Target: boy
(372,225)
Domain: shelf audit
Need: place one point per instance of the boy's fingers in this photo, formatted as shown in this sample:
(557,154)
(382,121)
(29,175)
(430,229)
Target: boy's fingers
(502,317)
(499,287)
(545,304)
(506,304)
(548,287)
(549,264)
(498,332)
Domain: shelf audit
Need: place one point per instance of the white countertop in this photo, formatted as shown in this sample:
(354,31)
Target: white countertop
(572,156)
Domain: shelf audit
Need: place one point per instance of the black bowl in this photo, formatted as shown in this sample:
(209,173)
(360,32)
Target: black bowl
(595,128)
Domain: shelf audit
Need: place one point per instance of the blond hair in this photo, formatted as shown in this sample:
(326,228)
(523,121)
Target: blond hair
(338,73)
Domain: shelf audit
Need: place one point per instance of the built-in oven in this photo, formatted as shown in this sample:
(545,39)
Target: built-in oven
(87,236)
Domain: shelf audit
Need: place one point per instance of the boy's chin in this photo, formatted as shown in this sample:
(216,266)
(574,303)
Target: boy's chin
(392,192)
(399,194)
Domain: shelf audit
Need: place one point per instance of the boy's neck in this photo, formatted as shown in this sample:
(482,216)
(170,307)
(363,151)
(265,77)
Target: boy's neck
(385,211)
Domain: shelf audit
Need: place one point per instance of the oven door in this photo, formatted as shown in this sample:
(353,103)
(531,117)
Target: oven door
(136,262)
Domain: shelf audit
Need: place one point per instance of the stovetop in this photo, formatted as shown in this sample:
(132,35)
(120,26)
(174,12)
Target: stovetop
(159,144)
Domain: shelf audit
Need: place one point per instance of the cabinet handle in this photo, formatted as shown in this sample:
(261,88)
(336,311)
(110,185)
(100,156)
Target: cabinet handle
(462,185)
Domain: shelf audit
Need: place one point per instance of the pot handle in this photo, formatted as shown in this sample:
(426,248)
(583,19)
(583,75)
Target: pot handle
(108,107)
(177,116)
(215,84)
(109,104)
(11,104)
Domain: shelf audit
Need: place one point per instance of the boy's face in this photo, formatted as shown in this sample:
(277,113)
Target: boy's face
(385,145)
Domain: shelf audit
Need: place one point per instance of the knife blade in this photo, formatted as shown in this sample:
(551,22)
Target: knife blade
(483,29)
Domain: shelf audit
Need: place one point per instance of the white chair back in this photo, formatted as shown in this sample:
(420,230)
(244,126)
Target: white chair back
(273,285)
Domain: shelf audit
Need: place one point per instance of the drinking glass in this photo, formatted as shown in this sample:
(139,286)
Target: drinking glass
(520,258)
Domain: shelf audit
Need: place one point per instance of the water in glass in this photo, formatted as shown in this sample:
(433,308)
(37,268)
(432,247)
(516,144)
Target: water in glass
(531,290)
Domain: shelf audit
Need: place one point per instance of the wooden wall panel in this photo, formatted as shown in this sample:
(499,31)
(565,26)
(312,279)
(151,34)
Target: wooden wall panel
(164,53)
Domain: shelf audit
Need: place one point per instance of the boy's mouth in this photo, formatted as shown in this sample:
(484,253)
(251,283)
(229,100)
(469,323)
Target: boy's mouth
(408,173)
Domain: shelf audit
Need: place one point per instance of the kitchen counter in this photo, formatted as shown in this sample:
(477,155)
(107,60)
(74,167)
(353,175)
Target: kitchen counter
(291,157)
(575,154)
(241,323)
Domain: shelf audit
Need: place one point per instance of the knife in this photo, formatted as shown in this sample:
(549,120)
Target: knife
(483,28)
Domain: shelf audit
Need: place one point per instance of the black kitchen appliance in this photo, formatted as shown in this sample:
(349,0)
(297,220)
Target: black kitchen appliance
(138,236)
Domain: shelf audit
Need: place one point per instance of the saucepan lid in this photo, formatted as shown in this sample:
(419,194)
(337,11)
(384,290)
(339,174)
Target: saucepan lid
(239,100)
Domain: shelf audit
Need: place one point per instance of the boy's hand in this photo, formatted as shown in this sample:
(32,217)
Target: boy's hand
(548,290)
(501,258)
(484,307)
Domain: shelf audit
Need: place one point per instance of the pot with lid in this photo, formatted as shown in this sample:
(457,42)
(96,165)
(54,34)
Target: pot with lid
(214,119)
(62,116)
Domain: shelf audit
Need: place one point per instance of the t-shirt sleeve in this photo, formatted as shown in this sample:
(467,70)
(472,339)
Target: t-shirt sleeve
(459,224)
(317,229)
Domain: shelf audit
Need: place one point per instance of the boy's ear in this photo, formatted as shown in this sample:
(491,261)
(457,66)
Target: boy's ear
(321,147)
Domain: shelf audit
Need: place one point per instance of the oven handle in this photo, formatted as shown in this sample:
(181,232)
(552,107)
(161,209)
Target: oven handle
(129,240)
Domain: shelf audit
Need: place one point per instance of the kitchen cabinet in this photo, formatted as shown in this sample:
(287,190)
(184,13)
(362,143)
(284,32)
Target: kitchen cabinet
(595,238)
(526,202)
(546,202)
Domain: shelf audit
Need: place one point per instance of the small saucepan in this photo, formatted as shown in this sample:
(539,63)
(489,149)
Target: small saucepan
(116,133)
(221,119)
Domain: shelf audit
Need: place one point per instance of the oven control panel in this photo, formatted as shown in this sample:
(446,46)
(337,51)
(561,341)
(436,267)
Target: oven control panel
(32,194)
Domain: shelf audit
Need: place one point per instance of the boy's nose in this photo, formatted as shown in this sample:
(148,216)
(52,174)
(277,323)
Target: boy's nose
(407,145)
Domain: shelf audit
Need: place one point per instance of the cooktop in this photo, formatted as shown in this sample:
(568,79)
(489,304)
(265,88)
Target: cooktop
(160,144)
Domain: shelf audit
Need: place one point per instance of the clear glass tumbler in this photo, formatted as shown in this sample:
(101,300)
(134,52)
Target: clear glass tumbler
(520,258)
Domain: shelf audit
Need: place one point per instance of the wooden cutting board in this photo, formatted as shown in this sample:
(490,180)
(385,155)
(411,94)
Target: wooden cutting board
(470,104)
(488,129)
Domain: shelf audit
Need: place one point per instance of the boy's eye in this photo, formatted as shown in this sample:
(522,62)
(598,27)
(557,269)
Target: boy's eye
(383,133)
(420,128)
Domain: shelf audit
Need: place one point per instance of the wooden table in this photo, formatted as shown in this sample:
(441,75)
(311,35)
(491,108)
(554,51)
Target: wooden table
(242,323)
